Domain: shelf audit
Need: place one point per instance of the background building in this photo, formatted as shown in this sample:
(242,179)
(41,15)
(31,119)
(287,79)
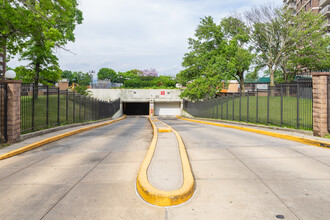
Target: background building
(306,5)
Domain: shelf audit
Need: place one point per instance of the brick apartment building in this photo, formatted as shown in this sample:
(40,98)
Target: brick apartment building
(316,6)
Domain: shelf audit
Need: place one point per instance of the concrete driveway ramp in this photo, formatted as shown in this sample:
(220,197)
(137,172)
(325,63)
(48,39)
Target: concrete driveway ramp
(165,177)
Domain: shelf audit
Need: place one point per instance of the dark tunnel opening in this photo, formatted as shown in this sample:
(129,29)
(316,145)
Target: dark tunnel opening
(136,108)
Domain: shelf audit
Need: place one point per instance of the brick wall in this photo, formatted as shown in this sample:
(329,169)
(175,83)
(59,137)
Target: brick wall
(320,103)
(13,110)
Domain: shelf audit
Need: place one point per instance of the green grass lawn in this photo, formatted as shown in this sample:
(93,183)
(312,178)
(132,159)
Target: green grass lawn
(40,112)
(229,108)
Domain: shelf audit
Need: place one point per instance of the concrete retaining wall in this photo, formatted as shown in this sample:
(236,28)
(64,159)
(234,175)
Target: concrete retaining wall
(138,95)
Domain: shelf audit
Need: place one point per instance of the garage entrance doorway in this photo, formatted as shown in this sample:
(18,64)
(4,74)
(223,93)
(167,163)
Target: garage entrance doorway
(136,108)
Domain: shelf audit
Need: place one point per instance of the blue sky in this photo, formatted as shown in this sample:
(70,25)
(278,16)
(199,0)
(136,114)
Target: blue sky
(140,34)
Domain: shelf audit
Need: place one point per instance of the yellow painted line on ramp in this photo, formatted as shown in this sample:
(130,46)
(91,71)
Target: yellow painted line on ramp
(52,139)
(165,198)
(268,133)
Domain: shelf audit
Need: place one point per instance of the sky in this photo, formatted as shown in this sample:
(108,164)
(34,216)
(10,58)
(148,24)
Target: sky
(140,34)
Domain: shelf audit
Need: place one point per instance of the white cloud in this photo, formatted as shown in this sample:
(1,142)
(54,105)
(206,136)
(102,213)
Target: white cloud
(129,34)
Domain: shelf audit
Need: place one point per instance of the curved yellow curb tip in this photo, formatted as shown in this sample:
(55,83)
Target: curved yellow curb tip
(164,130)
(52,139)
(268,133)
(165,198)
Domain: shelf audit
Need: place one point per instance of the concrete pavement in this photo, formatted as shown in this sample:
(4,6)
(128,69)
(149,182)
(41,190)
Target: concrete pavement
(243,175)
(239,175)
(165,169)
(87,176)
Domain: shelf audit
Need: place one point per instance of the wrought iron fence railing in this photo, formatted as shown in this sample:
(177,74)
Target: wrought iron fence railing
(45,107)
(289,105)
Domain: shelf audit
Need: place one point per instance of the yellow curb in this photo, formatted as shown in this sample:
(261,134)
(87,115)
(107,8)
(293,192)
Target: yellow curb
(165,198)
(164,130)
(52,139)
(268,133)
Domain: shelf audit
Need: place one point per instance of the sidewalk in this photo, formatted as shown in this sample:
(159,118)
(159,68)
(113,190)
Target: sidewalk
(44,134)
(280,130)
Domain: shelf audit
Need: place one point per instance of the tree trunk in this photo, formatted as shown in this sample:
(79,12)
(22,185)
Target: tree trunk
(241,81)
(271,77)
(272,82)
(242,84)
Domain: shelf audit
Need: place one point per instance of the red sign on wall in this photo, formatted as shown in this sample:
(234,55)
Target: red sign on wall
(162,93)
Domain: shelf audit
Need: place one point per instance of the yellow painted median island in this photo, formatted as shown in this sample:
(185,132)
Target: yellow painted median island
(158,197)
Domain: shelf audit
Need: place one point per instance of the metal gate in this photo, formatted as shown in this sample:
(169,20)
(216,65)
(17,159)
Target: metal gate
(3,112)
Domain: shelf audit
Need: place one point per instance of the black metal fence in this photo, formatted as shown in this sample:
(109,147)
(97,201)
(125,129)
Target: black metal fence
(45,107)
(328,102)
(289,105)
(3,112)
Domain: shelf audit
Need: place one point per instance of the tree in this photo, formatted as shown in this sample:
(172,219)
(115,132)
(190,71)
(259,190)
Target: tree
(53,20)
(217,53)
(307,48)
(204,61)
(52,31)
(278,75)
(131,74)
(238,54)
(28,75)
(108,74)
(269,37)
(252,76)
(13,30)
(80,78)
(201,88)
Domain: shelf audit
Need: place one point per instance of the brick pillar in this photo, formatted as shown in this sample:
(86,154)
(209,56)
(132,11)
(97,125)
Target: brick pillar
(320,103)
(13,110)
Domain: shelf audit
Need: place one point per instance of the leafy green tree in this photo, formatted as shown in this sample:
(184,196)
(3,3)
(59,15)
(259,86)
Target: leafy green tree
(83,90)
(47,25)
(107,73)
(66,74)
(278,76)
(201,88)
(307,48)
(82,79)
(167,81)
(204,61)
(252,76)
(217,53)
(27,75)
(132,74)
(239,56)
(13,30)
(269,37)
(54,31)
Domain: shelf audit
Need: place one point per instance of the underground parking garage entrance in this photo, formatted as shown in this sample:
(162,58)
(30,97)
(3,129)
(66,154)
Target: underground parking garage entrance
(136,108)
